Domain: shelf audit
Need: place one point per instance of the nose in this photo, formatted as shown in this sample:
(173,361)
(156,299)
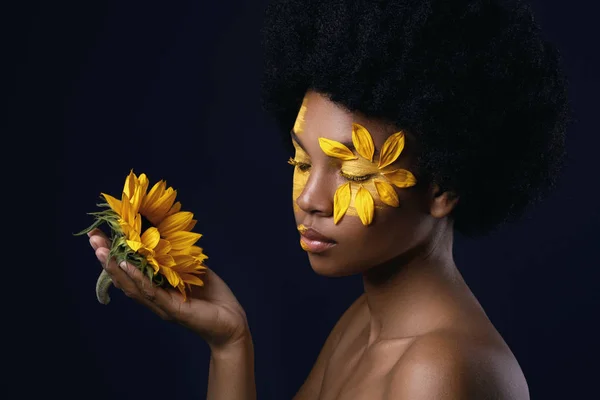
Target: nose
(317,196)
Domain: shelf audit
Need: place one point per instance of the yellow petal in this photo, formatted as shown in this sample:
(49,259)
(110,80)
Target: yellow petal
(182,240)
(126,211)
(114,204)
(191,225)
(163,247)
(401,178)
(184,261)
(165,260)
(137,223)
(391,149)
(148,203)
(162,206)
(387,194)
(198,252)
(171,276)
(174,223)
(129,187)
(181,288)
(191,279)
(154,264)
(365,206)
(134,245)
(363,142)
(175,209)
(136,200)
(151,237)
(341,201)
(336,149)
(143,182)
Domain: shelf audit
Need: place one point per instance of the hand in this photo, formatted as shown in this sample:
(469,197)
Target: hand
(212,310)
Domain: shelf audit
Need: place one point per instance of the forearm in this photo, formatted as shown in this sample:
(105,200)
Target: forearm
(231,372)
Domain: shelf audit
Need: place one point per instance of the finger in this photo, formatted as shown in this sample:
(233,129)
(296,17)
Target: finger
(152,293)
(118,277)
(122,281)
(98,239)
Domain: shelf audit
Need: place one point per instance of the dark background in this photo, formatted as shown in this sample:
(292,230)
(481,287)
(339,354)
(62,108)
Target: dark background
(171,89)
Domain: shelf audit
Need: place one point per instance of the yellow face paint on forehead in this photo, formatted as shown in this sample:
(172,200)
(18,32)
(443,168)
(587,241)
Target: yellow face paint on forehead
(367,178)
(299,124)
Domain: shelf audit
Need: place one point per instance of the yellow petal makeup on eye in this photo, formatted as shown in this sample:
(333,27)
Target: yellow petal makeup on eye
(341,201)
(401,178)
(365,206)
(336,149)
(391,149)
(387,194)
(363,142)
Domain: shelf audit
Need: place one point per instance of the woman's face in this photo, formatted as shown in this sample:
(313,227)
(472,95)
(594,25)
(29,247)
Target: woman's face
(324,174)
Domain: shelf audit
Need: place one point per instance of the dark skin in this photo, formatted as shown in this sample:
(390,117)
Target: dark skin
(417,322)
(417,332)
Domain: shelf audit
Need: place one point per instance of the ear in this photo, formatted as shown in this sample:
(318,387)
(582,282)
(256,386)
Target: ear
(442,202)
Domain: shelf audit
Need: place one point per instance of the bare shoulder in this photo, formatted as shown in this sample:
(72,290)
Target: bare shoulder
(449,366)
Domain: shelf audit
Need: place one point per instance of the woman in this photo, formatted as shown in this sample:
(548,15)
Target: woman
(409,120)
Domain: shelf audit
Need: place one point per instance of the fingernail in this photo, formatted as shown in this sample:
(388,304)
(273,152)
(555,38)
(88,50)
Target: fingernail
(123,266)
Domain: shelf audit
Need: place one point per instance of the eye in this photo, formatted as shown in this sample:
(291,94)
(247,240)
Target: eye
(300,165)
(355,178)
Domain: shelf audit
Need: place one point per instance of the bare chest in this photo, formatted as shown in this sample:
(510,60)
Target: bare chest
(357,371)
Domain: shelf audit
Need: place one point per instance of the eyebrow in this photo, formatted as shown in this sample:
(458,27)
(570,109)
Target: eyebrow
(349,145)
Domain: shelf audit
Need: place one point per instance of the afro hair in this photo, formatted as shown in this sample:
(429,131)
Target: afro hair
(473,80)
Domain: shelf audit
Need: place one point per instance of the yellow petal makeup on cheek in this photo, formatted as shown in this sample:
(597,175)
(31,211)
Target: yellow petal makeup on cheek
(387,194)
(364,205)
(341,202)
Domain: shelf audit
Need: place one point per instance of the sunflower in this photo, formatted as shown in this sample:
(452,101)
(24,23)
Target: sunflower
(370,176)
(150,231)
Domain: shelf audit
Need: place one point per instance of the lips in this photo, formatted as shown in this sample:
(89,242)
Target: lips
(314,241)
(312,234)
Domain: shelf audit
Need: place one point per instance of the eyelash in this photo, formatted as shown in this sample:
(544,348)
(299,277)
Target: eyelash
(305,167)
(355,178)
(300,165)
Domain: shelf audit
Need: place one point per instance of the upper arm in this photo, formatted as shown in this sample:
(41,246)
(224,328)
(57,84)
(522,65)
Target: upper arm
(442,368)
(312,385)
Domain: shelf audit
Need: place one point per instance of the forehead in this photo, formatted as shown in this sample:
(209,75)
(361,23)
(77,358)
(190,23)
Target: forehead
(324,118)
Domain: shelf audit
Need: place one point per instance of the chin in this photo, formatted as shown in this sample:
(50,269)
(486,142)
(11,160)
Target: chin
(328,266)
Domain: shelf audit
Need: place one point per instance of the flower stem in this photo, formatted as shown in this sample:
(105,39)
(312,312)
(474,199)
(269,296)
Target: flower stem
(102,285)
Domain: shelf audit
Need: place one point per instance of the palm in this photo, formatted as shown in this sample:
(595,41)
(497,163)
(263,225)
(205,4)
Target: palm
(211,310)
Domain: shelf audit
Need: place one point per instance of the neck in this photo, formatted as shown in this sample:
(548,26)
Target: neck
(406,295)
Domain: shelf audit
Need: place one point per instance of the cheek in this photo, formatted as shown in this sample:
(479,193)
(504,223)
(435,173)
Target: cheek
(300,180)
(393,232)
